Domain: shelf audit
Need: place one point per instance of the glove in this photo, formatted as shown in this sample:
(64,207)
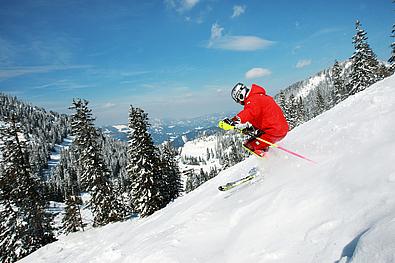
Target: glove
(242,126)
(246,128)
(226,124)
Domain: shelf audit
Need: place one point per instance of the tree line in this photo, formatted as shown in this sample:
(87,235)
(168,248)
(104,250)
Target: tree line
(365,70)
(143,181)
(44,128)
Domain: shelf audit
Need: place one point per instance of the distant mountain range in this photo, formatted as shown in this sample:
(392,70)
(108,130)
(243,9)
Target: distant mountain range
(176,131)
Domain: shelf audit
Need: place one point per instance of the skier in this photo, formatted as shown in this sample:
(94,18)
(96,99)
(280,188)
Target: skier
(261,116)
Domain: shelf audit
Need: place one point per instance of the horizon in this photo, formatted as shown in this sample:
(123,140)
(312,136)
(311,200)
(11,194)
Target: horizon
(176,59)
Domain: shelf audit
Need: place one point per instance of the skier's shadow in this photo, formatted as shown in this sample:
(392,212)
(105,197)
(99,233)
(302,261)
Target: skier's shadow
(348,250)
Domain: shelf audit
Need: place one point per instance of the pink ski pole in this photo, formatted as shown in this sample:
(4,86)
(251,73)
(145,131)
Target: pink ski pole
(285,150)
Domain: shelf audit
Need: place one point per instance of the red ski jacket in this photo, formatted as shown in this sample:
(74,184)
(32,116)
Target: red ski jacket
(263,113)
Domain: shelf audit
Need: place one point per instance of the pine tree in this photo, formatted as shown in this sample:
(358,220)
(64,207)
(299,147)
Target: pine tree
(364,69)
(203,176)
(213,172)
(95,175)
(189,184)
(391,60)
(72,220)
(213,155)
(301,114)
(384,71)
(320,105)
(84,136)
(292,112)
(208,154)
(338,83)
(283,103)
(25,226)
(146,183)
(171,174)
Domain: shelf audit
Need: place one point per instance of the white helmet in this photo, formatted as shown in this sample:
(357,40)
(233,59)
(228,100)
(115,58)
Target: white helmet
(239,93)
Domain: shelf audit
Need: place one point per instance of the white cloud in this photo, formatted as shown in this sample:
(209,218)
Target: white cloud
(216,31)
(240,43)
(181,6)
(134,73)
(109,105)
(238,10)
(303,63)
(189,4)
(257,73)
(236,43)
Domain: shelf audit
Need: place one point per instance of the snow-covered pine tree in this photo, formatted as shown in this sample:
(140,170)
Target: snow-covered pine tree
(188,182)
(115,157)
(143,171)
(203,176)
(194,180)
(229,149)
(94,174)
(72,220)
(208,154)
(301,113)
(212,154)
(338,83)
(391,60)
(292,112)
(320,105)
(213,172)
(383,71)
(364,68)
(84,135)
(171,173)
(25,226)
(283,103)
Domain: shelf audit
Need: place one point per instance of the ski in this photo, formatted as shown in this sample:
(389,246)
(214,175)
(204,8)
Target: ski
(251,175)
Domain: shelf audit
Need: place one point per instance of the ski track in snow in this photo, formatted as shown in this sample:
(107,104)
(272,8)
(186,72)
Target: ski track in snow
(340,210)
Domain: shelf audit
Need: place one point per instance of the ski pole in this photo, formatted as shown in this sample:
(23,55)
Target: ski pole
(284,149)
(225,126)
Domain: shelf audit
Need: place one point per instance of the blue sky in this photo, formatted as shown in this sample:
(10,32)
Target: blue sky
(174,58)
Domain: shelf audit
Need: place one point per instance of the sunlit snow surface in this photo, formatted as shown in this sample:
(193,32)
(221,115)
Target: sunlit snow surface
(340,210)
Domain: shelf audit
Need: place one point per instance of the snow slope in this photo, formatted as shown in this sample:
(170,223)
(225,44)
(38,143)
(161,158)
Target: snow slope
(340,210)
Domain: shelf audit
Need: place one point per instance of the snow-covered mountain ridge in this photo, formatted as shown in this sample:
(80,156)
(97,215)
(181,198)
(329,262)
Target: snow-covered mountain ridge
(340,210)
(322,81)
